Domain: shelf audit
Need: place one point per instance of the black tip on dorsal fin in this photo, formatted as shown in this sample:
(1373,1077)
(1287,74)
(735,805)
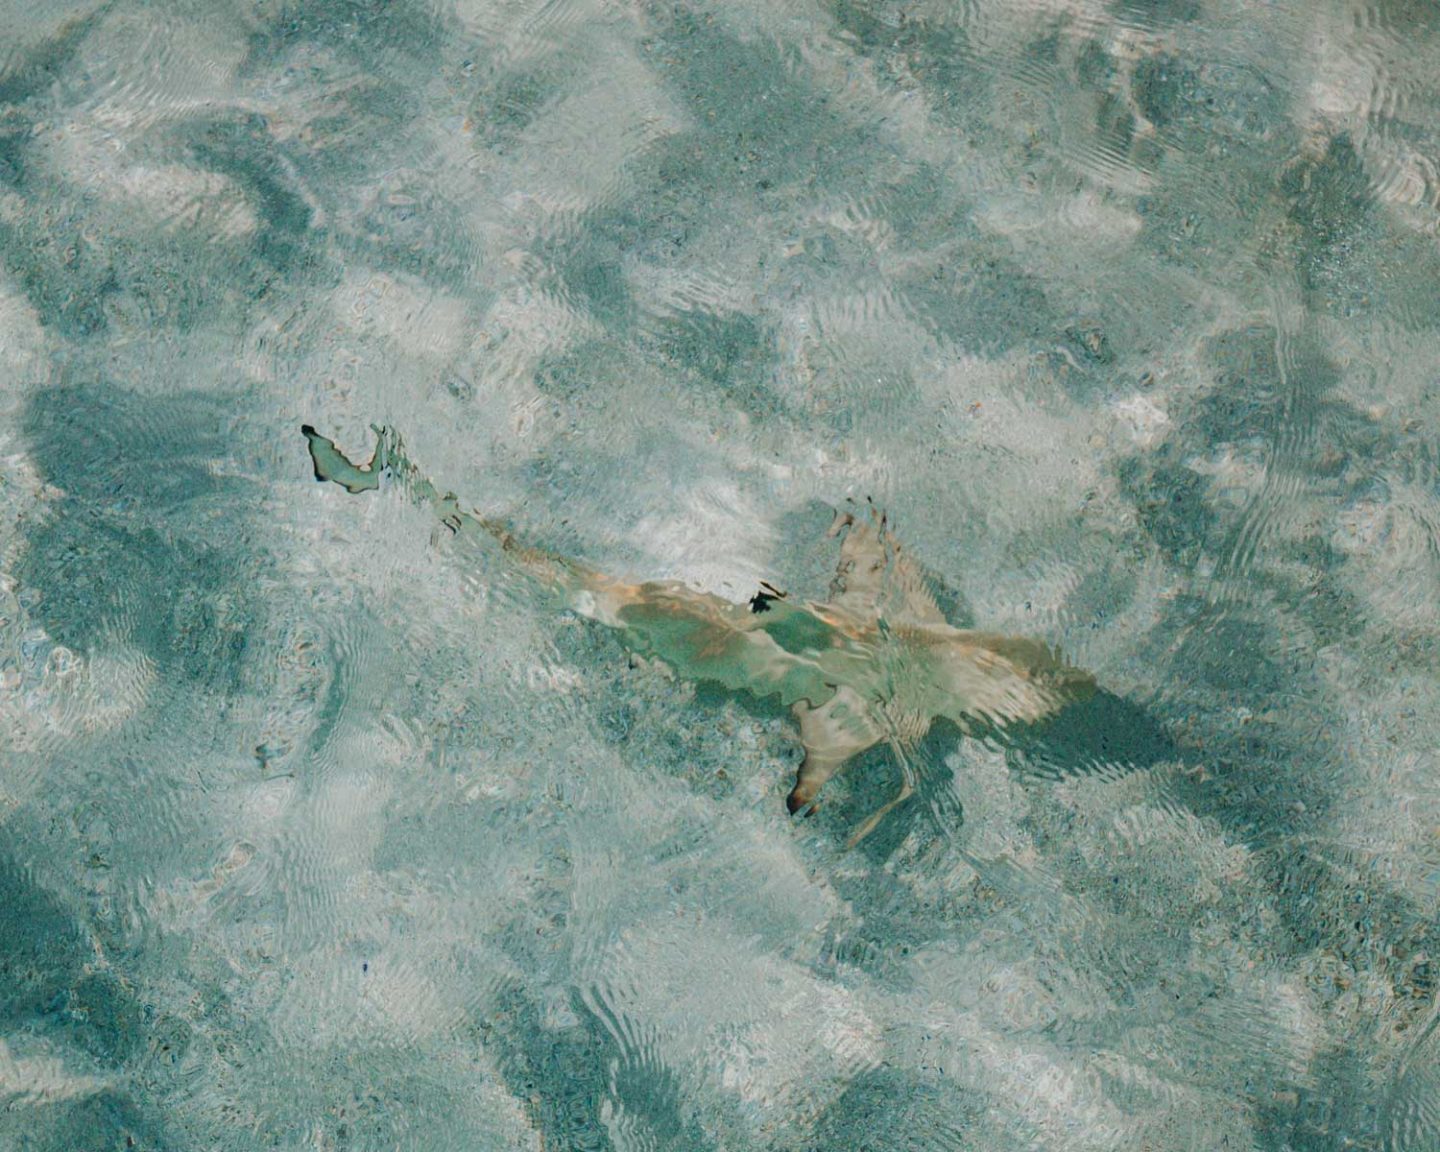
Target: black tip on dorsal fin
(767,595)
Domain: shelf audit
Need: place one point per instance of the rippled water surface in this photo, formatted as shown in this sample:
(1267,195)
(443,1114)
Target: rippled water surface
(321,831)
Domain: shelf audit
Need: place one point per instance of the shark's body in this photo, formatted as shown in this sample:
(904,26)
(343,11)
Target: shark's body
(877,662)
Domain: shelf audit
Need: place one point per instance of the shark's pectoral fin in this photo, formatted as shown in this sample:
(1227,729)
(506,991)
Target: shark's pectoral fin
(876,578)
(809,779)
(842,727)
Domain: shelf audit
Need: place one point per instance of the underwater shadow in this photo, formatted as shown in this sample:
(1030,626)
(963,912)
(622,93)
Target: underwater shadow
(1105,733)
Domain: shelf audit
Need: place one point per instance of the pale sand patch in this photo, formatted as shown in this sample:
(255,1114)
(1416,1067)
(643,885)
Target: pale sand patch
(190,199)
(170,197)
(33,1076)
(779,1042)
(615,112)
(520,32)
(1144,420)
(76,697)
(146,66)
(421,323)
(23,345)
(1394,547)
(994,804)
(711,535)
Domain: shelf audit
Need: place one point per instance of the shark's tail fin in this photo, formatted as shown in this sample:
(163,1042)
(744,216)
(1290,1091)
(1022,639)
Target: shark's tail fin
(332,464)
(387,460)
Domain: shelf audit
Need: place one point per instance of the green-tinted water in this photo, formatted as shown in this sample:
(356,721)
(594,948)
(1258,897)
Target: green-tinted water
(319,829)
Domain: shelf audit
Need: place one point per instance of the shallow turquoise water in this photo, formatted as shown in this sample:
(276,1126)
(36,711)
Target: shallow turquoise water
(320,830)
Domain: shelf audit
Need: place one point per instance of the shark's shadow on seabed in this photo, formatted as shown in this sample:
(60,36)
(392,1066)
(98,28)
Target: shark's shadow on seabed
(877,667)
(1104,735)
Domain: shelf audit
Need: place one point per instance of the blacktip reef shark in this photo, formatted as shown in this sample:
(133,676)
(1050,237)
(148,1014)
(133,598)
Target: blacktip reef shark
(875,663)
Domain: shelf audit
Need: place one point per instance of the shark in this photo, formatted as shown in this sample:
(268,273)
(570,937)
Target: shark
(874,663)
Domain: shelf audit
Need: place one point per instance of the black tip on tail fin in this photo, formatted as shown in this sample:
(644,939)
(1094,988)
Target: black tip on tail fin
(308,431)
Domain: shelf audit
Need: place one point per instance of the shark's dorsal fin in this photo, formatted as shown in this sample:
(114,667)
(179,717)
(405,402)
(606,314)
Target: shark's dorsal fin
(876,578)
